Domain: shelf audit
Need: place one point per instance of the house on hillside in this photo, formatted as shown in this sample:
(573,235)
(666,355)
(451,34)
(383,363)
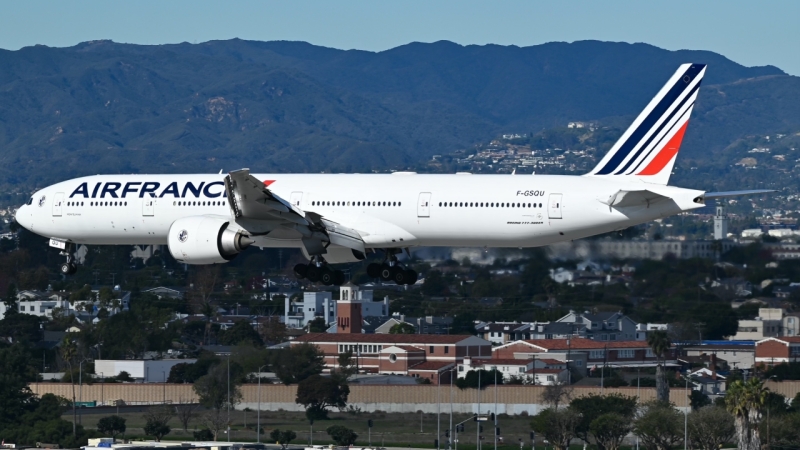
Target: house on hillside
(603,326)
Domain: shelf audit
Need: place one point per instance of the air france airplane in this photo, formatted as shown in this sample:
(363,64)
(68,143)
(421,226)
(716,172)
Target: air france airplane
(338,218)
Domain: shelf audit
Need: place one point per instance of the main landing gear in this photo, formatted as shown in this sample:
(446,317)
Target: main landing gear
(69,267)
(319,271)
(391,270)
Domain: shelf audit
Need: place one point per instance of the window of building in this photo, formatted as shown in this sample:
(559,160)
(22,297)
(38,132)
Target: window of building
(596,354)
(431,349)
(393,358)
(521,370)
(460,368)
(628,353)
(447,350)
(650,353)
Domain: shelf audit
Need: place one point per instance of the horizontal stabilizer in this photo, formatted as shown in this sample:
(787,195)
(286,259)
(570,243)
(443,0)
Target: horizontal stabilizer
(622,199)
(713,195)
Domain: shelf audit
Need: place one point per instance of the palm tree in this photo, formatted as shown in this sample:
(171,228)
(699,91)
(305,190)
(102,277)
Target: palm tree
(745,399)
(660,344)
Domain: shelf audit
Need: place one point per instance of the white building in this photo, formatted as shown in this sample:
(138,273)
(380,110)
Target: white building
(147,371)
(544,371)
(321,304)
(769,323)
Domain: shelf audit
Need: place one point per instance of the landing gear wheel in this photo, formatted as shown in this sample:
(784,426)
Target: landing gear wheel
(313,273)
(386,272)
(300,271)
(338,277)
(400,276)
(374,270)
(326,276)
(411,277)
(68,268)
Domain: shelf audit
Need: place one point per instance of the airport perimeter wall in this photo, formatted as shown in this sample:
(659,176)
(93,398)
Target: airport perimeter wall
(369,398)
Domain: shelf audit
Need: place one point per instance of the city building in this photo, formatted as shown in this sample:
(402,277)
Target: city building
(603,326)
(769,323)
(147,371)
(397,354)
(422,325)
(583,354)
(777,350)
(542,371)
(737,354)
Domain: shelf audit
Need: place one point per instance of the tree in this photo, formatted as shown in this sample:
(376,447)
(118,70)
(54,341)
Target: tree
(346,366)
(710,427)
(318,325)
(69,351)
(297,363)
(698,400)
(201,288)
(111,425)
(240,332)
(591,407)
(557,426)
(745,400)
(10,300)
(660,426)
(474,378)
(212,390)
(342,435)
(272,330)
(318,393)
(609,430)
(660,344)
(556,393)
(157,421)
(185,413)
(785,432)
(434,284)
(283,437)
(402,328)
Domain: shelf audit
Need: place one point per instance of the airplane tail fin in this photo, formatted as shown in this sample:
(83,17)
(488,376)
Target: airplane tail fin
(648,148)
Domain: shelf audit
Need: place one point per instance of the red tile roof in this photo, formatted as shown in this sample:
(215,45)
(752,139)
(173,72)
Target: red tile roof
(430,366)
(583,344)
(424,339)
(549,361)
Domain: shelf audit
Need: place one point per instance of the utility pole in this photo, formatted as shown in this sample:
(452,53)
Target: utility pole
(258,418)
(229,398)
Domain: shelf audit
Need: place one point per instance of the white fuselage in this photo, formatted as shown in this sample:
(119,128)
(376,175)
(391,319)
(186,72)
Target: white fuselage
(487,210)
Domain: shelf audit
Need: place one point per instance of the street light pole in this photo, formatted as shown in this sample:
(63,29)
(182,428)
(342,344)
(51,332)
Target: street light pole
(450,439)
(495,408)
(164,373)
(438,411)
(229,398)
(478,427)
(686,413)
(258,417)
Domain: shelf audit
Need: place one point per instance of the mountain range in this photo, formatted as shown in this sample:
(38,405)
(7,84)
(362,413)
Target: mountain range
(106,107)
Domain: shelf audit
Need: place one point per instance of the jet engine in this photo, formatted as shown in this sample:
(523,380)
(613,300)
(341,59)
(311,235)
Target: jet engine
(205,240)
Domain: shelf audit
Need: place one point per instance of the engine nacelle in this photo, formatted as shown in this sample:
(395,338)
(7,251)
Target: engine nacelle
(205,240)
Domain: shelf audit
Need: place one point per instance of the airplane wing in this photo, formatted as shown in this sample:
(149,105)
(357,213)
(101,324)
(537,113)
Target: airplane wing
(249,198)
(623,198)
(713,195)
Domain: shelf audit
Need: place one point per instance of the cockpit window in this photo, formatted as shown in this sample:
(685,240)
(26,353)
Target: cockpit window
(30,202)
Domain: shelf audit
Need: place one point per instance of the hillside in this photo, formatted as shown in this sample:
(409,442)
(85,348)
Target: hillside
(291,106)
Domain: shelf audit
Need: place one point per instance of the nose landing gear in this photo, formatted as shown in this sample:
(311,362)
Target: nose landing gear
(69,267)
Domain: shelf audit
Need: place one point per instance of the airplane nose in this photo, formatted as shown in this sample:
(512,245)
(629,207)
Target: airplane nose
(22,215)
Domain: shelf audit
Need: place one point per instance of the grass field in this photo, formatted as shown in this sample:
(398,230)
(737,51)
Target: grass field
(390,430)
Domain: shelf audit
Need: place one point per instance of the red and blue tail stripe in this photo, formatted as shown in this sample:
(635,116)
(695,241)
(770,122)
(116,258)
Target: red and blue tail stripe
(649,146)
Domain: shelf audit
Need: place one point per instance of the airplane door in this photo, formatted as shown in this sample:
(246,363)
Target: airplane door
(148,206)
(424,204)
(296,198)
(58,200)
(554,206)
